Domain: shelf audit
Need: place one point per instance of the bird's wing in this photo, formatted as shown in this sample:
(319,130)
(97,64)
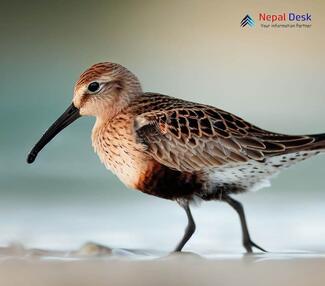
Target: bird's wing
(195,137)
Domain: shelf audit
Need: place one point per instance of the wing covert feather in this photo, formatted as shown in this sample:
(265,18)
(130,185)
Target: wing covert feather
(195,137)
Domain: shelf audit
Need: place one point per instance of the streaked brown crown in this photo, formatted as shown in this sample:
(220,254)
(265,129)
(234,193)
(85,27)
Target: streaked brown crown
(113,71)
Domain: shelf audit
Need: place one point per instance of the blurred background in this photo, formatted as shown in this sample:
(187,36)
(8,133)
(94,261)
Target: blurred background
(195,50)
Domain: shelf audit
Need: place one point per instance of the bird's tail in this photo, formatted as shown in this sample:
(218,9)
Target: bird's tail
(319,143)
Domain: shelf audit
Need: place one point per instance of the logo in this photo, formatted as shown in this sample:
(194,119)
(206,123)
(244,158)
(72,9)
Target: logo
(284,20)
(285,17)
(248,20)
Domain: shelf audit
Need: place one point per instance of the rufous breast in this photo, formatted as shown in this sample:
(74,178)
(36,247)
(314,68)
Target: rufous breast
(115,143)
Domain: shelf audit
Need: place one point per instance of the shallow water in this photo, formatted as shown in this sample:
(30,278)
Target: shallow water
(278,223)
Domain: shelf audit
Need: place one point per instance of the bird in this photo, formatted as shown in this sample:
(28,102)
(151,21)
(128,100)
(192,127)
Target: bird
(176,149)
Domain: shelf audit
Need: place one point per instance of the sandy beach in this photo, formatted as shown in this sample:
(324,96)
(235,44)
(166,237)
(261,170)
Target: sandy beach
(93,266)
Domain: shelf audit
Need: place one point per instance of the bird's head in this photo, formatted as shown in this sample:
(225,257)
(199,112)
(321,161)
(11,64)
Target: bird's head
(103,91)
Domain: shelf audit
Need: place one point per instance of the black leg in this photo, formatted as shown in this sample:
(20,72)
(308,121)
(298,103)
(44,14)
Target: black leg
(237,206)
(190,228)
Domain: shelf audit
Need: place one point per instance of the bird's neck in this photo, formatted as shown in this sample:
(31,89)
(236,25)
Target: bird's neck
(109,110)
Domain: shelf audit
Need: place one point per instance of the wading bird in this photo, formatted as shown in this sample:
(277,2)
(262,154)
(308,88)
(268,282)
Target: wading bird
(176,149)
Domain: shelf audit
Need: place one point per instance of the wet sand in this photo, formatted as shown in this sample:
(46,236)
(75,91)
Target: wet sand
(97,265)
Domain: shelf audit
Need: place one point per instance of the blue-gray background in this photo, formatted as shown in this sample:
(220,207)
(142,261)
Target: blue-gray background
(195,50)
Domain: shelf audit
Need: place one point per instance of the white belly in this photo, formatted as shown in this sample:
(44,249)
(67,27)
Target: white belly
(253,175)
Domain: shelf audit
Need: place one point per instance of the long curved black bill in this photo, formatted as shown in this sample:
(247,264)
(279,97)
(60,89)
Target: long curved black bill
(70,115)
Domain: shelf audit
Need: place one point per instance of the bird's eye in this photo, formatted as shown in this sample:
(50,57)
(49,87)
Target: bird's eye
(93,86)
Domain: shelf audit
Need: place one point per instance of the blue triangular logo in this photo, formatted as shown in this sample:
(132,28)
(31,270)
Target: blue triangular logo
(247,20)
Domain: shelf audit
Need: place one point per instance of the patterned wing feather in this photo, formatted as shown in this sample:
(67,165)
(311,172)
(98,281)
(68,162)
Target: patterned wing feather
(191,137)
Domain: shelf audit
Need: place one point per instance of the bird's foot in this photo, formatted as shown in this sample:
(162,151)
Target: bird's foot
(249,244)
